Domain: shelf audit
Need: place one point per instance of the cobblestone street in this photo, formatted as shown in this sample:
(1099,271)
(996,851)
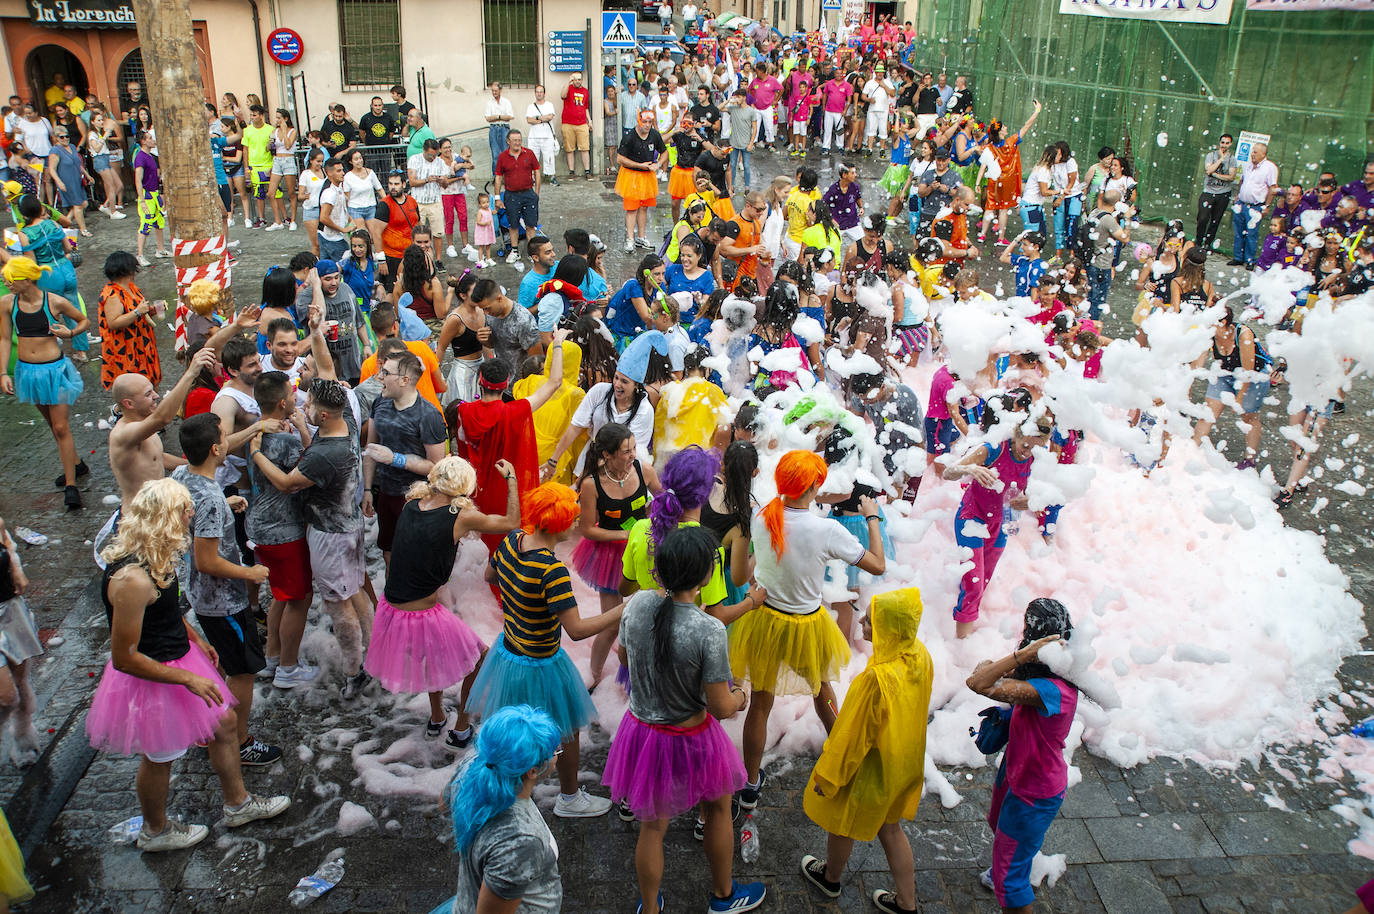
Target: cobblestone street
(1164,836)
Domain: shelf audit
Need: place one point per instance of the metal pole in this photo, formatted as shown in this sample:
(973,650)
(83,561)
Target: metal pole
(1235,65)
(592,95)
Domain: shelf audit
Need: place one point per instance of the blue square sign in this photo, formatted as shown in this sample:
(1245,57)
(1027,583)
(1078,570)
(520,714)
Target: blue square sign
(618,28)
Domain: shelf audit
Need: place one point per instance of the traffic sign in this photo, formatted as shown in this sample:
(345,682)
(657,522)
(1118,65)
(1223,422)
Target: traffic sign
(285,46)
(618,28)
(567,52)
(830,5)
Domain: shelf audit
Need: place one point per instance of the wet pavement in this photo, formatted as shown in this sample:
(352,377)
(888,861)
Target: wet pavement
(1164,836)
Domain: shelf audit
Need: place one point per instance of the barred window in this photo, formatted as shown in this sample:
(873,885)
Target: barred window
(370,43)
(510,33)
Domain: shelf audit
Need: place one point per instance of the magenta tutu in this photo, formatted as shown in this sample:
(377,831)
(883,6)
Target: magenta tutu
(662,771)
(424,650)
(133,716)
(599,563)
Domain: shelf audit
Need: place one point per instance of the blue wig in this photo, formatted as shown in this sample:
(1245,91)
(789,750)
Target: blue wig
(510,743)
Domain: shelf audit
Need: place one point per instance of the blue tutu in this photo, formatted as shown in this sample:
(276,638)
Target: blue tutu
(549,683)
(857,524)
(54,383)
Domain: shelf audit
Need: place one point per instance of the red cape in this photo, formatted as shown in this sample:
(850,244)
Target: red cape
(492,430)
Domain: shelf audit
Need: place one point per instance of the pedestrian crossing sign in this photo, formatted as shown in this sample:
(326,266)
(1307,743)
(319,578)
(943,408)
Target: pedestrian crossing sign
(618,29)
(830,5)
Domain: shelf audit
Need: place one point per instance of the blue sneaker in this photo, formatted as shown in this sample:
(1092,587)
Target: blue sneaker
(640,908)
(744,897)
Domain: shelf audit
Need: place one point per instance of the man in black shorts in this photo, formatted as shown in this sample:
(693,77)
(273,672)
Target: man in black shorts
(217,580)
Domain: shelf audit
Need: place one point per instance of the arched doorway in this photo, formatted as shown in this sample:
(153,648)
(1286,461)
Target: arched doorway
(131,70)
(49,60)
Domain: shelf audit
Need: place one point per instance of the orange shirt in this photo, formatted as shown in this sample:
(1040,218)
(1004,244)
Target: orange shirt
(425,387)
(749,235)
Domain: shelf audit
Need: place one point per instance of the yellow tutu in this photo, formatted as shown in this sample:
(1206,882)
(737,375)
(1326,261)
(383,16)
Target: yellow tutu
(786,654)
(13,885)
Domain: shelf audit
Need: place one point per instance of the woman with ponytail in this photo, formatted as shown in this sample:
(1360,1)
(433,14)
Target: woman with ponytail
(418,644)
(527,664)
(613,493)
(792,644)
(669,754)
(507,858)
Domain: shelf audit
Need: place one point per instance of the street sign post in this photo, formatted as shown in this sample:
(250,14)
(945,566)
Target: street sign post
(618,28)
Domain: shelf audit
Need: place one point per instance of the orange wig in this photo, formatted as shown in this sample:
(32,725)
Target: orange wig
(797,473)
(551,507)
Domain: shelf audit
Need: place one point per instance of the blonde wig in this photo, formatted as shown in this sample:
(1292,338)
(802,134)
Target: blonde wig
(452,477)
(153,529)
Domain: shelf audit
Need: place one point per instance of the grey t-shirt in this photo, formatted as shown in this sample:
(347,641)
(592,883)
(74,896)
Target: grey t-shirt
(207,594)
(514,856)
(742,120)
(942,188)
(342,306)
(1213,185)
(334,465)
(513,335)
(1104,244)
(274,516)
(698,655)
(405,431)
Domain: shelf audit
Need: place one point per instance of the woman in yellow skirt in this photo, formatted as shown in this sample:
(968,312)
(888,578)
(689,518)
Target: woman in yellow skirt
(14,887)
(871,772)
(791,645)
(642,152)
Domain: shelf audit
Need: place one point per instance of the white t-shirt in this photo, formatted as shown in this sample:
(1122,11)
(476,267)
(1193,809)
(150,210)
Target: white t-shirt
(497,109)
(1255,181)
(689,12)
(37,135)
(313,184)
(362,191)
(540,131)
(1061,174)
(878,92)
(591,415)
(794,582)
(1032,194)
(335,197)
(665,10)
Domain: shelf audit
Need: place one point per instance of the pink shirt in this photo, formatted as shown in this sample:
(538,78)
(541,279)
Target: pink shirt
(765,92)
(836,93)
(940,386)
(1034,758)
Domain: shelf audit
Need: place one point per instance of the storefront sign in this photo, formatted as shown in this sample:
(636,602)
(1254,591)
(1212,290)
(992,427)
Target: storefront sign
(82,14)
(1196,12)
(1284,6)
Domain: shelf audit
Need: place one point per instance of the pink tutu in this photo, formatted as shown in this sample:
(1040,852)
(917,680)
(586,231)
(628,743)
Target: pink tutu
(133,716)
(662,771)
(599,563)
(424,650)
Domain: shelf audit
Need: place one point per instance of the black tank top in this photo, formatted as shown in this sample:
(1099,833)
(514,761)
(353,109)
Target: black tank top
(1193,300)
(621,513)
(1229,361)
(465,344)
(163,637)
(422,553)
(34,325)
(718,522)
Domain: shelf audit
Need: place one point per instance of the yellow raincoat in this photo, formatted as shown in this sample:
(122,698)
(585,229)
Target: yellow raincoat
(553,418)
(688,412)
(872,767)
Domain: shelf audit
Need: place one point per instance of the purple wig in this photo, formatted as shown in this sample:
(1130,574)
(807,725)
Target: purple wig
(687,479)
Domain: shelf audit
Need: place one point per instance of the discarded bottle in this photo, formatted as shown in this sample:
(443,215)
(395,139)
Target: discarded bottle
(1365,729)
(126,832)
(749,840)
(330,873)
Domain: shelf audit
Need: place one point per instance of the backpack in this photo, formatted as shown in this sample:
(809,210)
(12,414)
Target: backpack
(1085,238)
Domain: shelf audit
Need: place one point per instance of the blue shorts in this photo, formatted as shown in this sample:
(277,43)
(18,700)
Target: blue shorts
(940,435)
(1255,392)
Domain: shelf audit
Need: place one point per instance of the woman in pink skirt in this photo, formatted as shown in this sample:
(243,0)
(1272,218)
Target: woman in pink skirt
(418,644)
(670,752)
(160,693)
(614,492)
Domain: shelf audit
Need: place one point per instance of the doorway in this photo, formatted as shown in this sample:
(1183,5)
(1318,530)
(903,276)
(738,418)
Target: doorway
(49,60)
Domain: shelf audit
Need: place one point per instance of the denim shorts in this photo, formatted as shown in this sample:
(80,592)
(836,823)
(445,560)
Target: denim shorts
(285,165)
(310,213)
(100,163)
(362,212)
(1255,392)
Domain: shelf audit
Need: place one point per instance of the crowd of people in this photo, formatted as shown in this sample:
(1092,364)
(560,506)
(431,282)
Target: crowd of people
(714,445)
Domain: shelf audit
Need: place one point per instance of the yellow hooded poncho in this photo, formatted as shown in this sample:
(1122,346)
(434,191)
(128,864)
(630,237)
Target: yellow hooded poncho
(872,767)
(553,418)
(688,413)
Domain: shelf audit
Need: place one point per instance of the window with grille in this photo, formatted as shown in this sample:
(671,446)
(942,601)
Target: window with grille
(370,43)
(510,37)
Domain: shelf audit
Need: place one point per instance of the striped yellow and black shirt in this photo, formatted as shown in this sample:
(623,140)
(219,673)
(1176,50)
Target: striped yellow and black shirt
(535,589)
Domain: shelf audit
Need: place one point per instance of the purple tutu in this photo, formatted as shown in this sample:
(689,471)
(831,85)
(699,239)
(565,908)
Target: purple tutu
(663,771)
(599,563)
(424,650)
(133,716)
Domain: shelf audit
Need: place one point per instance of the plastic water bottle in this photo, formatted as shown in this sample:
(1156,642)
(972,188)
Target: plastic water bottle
(310,887)
(749,840)
(1011,521)
(125,832)
(1365,729)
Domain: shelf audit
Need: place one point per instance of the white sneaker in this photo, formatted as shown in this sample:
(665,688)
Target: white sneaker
(162,253)
(274,227)
(985,880)
(513,257)
(582,806)
(451,252)
(230,223)
(629,245)
(291,226)
(144,261)
(469,251)
(270,670)
(255,808)
(116,214)
(288,677)
(174,837)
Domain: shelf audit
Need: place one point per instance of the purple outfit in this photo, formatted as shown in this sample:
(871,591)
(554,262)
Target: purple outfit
(1273,249)
(1363,196)
(985,506)
(152,181)
(844,205)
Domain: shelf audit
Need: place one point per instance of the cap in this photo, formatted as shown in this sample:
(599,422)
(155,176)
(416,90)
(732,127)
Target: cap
(13,189)
(326,267)
(942,152)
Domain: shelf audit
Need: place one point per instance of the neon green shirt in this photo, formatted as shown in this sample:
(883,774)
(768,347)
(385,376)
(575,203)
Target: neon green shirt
(639,568)
(255,140)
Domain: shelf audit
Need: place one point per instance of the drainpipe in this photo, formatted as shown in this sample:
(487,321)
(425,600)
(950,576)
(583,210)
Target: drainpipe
(257,37)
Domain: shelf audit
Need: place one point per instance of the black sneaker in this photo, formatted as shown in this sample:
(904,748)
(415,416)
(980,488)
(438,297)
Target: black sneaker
(748,796)
(553,180)
(813,871)
(1283,499)
(255,753)
(81,470)
(699,830)
(72,499)
(623,810)
(1233,262)
(435,728)
(354,685)
(887,903)
(1337,409)
(457,741)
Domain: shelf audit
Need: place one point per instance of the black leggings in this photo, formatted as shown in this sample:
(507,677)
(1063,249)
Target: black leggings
(1210,209)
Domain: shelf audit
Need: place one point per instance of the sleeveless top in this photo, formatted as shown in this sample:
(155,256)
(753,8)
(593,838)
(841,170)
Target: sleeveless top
(1193,300)
(1230,361)
(465,345)
(422,553)
(718,522)
(163,637)
(981,503)
(33,325)
(621,513)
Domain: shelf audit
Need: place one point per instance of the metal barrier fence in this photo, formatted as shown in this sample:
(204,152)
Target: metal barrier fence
(385,157)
